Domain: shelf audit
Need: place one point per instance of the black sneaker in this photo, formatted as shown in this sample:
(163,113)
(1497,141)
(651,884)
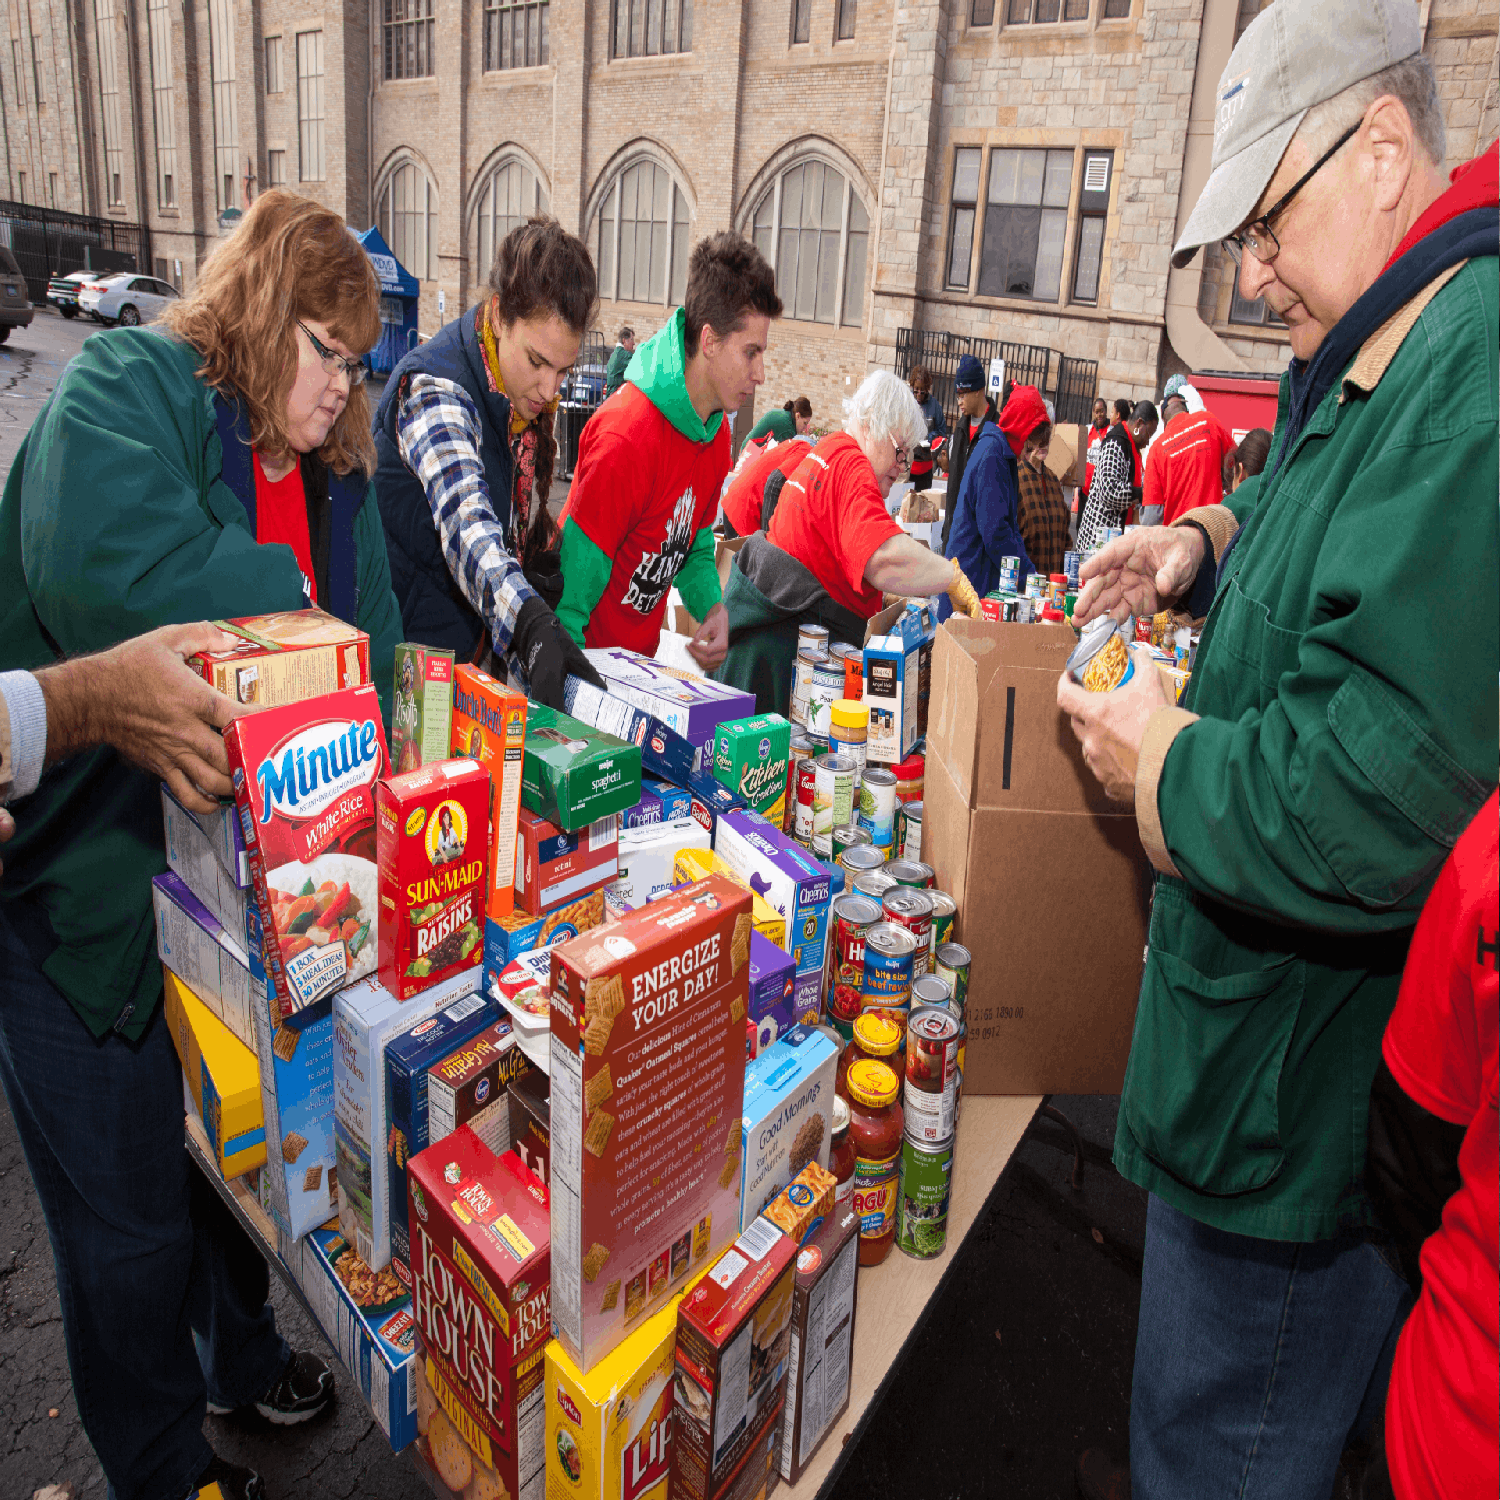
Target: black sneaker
(225,1481)
(303,1390)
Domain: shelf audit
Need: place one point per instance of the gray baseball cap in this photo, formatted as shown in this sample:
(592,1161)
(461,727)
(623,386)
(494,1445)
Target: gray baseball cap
(1293,55)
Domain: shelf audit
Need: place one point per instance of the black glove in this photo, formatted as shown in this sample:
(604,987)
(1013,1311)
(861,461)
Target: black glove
(548,654)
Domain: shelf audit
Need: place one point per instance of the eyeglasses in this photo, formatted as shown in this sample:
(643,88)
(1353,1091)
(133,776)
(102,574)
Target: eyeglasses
(903,456)
(332,361)
(1258,239)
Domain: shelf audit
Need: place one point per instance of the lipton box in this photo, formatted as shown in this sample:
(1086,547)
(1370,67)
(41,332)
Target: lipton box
(489,725)
(519,932)
(664,752)
(468,1087)
(480,1264)
(788,1113)
(555,865)
(285,658)
(647,1071)
(574,774)
(191,943)
(191,854)
(421,706)
(304,782)
(648,856)
(531,1122)
(733,1336)
(431,833)
(750,758)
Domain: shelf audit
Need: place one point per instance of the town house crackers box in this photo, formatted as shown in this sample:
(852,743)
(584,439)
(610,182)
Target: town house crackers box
(648,1071)
(480,1249)
(286,658)
(489,725)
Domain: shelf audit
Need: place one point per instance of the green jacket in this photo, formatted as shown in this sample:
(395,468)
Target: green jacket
(614,371)
(114,521)
(1337,735)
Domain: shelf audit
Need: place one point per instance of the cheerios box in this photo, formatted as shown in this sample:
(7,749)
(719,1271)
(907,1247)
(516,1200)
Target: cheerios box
(647,1072)
(788,1113)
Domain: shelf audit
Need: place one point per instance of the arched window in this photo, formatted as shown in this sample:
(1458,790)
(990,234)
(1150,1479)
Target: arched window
(639,237)
(510,197)
(408,219)
(811,225)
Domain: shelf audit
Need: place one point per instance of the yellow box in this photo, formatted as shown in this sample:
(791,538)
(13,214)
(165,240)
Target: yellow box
(222,1076)
(699,864)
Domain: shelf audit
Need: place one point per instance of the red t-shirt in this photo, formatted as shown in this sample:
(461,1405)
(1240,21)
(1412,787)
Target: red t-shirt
(742,500)
(1185,465)
(831,518)
(1440,1046)
(281,517)
(641,493)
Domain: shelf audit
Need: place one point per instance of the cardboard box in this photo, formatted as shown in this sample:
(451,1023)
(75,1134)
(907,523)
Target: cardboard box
(773,976)
(787,1114)
(693,707)
(421,706)
(286,658)
(698,864)
(711,800)
(664,752)
(192,854)
(751,757)
(365,1017)
(893,670)
(733,1335)
(222,1078)
(554,865)
(646,812)
(221,830)
(489,725)
(527,1098)
(1004,778)
(647,1068)
(822,1346)
(468,1087)
(480,1258)
(519,932)
(191,942)
(800,1208)
(648,856)
(574,774)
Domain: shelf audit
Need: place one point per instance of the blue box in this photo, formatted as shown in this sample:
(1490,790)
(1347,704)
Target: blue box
(773,975)
(646,812)
(664,752)
(787,1118)
(520,932)
(676,801)
(711,800)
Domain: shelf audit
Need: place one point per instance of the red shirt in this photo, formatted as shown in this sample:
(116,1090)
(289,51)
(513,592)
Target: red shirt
(281,517)
(1185,465)
(831,518)
(1440,1046)
(742,500)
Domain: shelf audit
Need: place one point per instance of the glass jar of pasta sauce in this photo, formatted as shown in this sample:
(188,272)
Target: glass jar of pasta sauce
(874,1035)
(876,1126)
(841,1153)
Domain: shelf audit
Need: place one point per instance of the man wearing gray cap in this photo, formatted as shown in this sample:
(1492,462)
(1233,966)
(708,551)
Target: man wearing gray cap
(1337,735)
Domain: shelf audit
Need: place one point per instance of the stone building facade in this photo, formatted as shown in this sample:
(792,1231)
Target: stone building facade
(1007,169)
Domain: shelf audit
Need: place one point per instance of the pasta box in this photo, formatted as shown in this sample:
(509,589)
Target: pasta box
(519,932)
(468,1087)
(480,1274)
(304,781)
(574,774)
(531,1122)
(489,725)
(676,800)
(285,658)
(431,837)
(554,864)
(191,942)
(689,705)
(712,800)
(788,1113)
(750,758)
(647,1072)
(664,752)
(421,706)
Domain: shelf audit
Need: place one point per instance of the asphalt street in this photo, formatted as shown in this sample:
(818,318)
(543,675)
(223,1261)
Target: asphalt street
(31,363)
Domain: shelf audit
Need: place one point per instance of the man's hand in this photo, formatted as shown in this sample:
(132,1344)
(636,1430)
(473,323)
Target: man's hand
(710,645)
(7,827)
(1140,573)
(1110,726)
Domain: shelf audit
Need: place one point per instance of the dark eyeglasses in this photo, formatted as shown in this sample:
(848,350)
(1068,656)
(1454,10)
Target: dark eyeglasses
(333,362)
(1258,239)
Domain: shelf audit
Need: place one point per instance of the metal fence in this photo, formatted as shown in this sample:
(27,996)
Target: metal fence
(1070,384)
(583,395)
(48,242)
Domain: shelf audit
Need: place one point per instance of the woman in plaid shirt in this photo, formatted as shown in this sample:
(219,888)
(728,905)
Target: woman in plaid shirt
(1041,511)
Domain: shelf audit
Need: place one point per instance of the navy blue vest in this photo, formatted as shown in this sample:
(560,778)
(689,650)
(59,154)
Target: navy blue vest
(433,610)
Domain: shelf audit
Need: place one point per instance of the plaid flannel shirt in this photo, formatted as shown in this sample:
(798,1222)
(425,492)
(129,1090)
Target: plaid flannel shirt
(1041,517)
(439,435)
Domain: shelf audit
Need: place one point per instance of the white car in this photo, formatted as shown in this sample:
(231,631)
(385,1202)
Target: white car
(126,298)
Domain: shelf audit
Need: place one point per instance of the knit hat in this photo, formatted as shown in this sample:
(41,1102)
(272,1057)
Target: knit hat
(970,376)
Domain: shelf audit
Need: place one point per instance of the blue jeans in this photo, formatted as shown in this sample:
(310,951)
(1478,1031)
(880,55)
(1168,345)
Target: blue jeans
(163,1294)
(1256,1361)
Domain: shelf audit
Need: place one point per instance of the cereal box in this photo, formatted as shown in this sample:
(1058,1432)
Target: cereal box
(555,865)
(773,974)
(489,725)
(689,705)
(285,658)
(646,812)
(648,856)
(647,1069)
(750,758)
(574,774)
(421,706)
(664,752)
(733,1333)
(531,1123)
(508,938)
(788,1113)
(304,783)
(431,832)
(365,1017)
(191,943)
(699,864)
(480,1252)
(192,855)
(468,1087)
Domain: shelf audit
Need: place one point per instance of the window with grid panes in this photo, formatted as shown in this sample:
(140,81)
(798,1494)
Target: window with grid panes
(1093,205)
(812,227)
(36,73)
(275,169)
(640,237)
(650,28)
(1025,224)
(966,162)
(109,97)
(163,101)
(1039,12)
(981,12)
(843,20)
(409,34)
(801,21)
(1116,10)
(515,34)
(510,197)
(310,113)
(226,100)
(17,67)
(407,216)
(273,65)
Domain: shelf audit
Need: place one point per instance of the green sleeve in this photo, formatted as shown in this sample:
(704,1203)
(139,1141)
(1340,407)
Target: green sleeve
(376,611)
(585,570)
(698,578)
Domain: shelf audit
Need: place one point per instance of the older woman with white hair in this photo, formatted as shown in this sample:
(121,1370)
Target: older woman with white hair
(831,552)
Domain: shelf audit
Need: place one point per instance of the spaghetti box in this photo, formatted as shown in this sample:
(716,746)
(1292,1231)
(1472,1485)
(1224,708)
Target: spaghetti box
(468,1087)
(191,854)
(555,865)
(794,883)
(421,706)
(574,774)
(285,658)
(712,800)
(690,706)
(222,1077)
(481,1252)
(823,1307)
(664,752)
(648,855)
(365,1017)
(489,725)
(531,1123)
(773,974)
(647,811)
(519,932)
(733,1336)
(407,1059)
(750,758)
(192,943)
(892,685)
(676,800)
(788,1113)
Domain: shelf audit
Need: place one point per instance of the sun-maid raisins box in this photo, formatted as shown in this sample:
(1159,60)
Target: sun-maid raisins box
(573,773)
(647,1069)
(750,758)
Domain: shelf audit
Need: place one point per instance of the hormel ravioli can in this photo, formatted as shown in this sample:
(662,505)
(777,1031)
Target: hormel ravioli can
(886,985)
(912,909)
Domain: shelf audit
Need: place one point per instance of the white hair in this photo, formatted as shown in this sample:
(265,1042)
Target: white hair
(1411,80)
(884,406)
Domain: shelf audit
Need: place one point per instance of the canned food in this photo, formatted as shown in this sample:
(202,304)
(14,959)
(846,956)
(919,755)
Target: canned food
(814,636)
(912,910)
(874,884)
(854,675)
(911,872)
(851,917)
(849,731)
(1008,607)
(922,1191)
(1072,561)
(1036,585)
(890,952)
(1027,612)
(824,688)
(1010,574)
(807,779)
(930,990)
(931,1051)
(909,774)
(833,801)
(850,836)
(1102,659)
(877,805)
(963,1039)
(951,964)
(807,659)
(801,750)
(909,831)
(857,859)
(944,915)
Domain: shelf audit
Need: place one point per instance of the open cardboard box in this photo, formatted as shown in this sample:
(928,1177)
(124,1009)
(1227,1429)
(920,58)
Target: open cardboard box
(1050,879)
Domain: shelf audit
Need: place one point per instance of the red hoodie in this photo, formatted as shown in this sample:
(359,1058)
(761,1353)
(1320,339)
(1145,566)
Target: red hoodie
(1022,415)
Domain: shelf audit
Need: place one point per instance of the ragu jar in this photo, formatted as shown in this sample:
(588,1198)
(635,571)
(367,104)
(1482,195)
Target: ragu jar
(875,1127)
(841,1153)
(875,1035)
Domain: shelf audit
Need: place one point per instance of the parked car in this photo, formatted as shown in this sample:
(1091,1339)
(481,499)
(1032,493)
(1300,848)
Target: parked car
(15,310)
(62,291)
(126,298)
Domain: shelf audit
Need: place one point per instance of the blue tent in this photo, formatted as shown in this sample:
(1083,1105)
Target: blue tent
(399,291)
